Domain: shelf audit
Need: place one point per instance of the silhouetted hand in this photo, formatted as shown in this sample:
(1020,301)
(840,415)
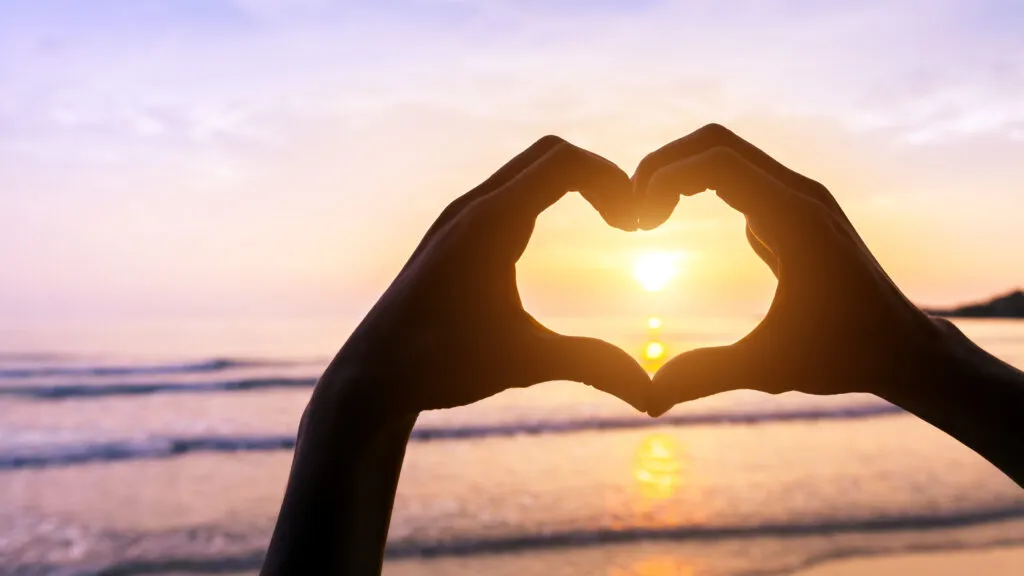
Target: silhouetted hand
(837,323)
(451,329)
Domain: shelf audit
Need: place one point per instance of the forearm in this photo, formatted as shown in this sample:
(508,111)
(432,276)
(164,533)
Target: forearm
(337,506)
(973,396)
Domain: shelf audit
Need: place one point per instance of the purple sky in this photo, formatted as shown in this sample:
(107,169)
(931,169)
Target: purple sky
(282,158)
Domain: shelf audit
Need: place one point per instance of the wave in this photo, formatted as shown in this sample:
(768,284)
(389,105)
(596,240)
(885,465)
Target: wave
(31,356)
(65,391)
(619,423)
(154,448)
(199,367)
(140,450)
(597,537)
(252,559)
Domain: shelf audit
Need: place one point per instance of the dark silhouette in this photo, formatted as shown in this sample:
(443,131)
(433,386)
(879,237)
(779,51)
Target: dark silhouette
(1008,306)
(451,330)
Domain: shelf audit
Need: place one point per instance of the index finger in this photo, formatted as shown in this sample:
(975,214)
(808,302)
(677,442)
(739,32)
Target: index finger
(711,136)
(736,181)
(565,168)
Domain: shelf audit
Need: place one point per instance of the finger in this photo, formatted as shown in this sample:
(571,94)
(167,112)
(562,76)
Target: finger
(715,135)
(699,373)
(655,210)
(763,251)
(510,170)
(739,183)
(595,363)
(563,168)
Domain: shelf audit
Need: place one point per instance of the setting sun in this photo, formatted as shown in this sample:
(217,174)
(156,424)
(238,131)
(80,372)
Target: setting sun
(654,270)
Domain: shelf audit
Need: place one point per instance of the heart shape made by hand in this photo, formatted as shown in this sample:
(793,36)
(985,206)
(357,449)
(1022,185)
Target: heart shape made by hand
(837,323)
(452,329)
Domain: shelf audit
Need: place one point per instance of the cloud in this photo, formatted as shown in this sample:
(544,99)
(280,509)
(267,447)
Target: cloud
(132,116)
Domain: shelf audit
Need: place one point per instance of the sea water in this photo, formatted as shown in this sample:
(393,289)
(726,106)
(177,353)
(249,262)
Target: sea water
(164,449)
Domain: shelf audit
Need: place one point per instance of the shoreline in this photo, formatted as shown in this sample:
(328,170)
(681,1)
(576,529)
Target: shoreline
(996,560)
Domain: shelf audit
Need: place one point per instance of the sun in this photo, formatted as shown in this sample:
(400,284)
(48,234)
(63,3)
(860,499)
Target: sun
(655,270)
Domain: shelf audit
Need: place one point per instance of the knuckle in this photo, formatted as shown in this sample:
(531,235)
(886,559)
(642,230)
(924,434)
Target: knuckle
(815,188)
(645,168)
(550,141)
(816,220)
(820,211)
(453,209)
(722,158)
(650,158)
(722,152)
(715,132)
(810,210)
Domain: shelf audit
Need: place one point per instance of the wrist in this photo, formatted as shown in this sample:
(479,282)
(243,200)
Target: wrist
(934,355)
(971,395)
(352,389)
(347,406)
(345,471)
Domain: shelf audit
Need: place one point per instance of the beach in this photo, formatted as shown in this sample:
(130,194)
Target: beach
(994,562)
(116,460)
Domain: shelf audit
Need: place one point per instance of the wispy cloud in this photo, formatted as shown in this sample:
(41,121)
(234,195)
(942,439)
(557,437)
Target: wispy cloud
(274,134)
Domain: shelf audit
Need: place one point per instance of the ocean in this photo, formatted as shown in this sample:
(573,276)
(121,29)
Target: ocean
(163,448)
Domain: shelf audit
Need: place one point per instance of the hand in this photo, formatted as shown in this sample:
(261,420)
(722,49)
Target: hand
(837,323)
(451,329)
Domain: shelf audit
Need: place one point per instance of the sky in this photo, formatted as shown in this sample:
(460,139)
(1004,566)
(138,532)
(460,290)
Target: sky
(269,158)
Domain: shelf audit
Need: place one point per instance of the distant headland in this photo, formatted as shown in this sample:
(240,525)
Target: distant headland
(1007,306)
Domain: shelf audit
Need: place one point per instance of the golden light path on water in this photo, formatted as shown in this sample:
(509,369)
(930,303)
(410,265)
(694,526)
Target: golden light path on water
(660,473)
(655,566)
(658,469)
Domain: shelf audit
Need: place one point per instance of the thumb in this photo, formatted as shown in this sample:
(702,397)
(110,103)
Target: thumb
(699,373)
(595,363)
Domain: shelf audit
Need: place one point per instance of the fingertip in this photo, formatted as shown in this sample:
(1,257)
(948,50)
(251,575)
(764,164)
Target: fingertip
(656,412)
(697,374)
(662,397)
(655,209)
(623,201)
(608,368)
(648,222)
(634,385)
(625,219)
(609,190)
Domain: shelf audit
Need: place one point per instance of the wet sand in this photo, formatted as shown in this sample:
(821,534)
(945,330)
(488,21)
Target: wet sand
(990,562)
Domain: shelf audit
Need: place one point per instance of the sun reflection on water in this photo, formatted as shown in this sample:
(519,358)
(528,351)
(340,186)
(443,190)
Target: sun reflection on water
(658,471)
(655,566)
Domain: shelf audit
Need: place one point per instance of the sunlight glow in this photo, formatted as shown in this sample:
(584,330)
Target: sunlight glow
(654,323)
(654,350)
(654,270)
(655,566)
(658,469)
